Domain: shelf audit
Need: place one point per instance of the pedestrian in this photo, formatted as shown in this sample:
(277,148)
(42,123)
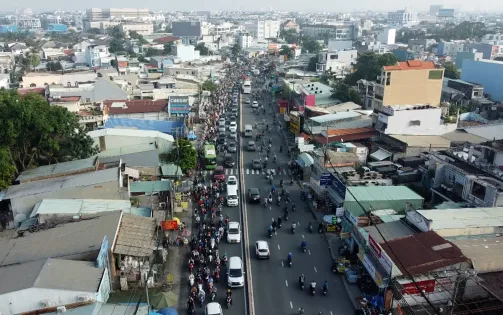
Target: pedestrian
(279,169)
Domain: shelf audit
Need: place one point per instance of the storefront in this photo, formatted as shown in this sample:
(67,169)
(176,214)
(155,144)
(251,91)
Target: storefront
(294,123)
(179,105)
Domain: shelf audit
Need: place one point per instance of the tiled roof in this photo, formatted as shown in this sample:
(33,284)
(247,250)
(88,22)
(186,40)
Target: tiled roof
(135,106)
(411,65)
(423,252)
(166,39)
(343,132)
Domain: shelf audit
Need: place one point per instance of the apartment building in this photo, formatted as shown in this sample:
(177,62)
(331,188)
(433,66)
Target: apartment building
(326,32)
(140,28)
(98,14)
(188,31)
(261,29)
(408,83)
(245,40)
(27,22)
(488,73)
(450,48)
(336,61)
(493,39)
(402,18)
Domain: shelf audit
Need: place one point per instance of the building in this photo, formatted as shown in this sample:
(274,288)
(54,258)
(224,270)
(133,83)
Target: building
(450,48)
(8,29)
(59,28)
(402,18)
(172,127)
(387,36)
(334,124)
(489,51)
(140,28)
(467,55)
(70,79)
(492,39)
(189,32)
(130,140)
(446,13)
(28,23)
(245,40)
(262,29)
(290,25)
(135,109)
(488,73)
(325,32)
(102,89)
(338,62)
(4,81)
(409,82)
(186,53)
(97,14)
(434,8)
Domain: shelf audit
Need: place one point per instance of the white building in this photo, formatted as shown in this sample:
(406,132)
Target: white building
(338,61)
(186,53)
(412,120)
(387,36)
(261,29)
(98,14)
(4,81)
(493,39)
(402,18)
(27,22)
(117,138)
(245,40)
(140,28)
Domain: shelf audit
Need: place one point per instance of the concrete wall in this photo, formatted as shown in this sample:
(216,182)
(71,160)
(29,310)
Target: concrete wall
(404,122)
(487,73)
(409,87)
(63,79)
(148,116)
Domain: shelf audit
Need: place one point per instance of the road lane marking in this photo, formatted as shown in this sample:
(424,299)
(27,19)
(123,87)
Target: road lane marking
(303,236)
(315,270)
(248,171)
(272,219)
(282,264)
(309,252)
(286,282)
(298,223)
(331,313)
(279,247)
(275,233)
(226,171)
(291,304)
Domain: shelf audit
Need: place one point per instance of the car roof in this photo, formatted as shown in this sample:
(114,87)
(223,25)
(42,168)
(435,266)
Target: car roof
(262,244)
(213,308)
(255,161)
(233,123)
(233,225)
(232,178)
(251,142)
(254,190)
(220,168)
(229,157)
(234,260)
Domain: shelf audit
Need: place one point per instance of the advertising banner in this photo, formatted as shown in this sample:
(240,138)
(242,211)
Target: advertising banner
(179,105)
(170,225)
(428,286)
(381,256)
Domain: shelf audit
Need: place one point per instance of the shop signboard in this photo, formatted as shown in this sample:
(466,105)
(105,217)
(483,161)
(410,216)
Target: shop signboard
(381,256)
(169,225)
(294,124)
(368,265)
(179,105)
(331,228)
(326,179)
(352,218)
(339,187)
(282,110)
(102,255)
(427,286)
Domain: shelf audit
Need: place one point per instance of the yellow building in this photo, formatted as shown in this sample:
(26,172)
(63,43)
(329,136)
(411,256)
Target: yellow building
(409,83)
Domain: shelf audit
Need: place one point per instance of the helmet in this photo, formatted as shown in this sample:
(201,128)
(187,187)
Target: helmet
(289,254)
(228,290)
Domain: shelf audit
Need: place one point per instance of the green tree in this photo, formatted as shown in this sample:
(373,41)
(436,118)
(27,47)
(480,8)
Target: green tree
(116,45)
(150,52)
(94,31)
(115,32)
(310,45)
(286,50)
(236,49)
(168,48)
(209,85)
(35,133)
(203,50)
(54,66)
(368,66)
(289,36)
(7,169)
(344,93)
(313,61)
(183,154)
(139,37)
(141,58)
(451,71)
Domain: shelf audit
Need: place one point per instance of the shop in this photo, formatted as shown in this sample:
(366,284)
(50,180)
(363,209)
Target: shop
(294,123)
(179,106)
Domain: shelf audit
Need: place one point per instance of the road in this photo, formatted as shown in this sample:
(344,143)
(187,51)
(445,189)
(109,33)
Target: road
(275,286)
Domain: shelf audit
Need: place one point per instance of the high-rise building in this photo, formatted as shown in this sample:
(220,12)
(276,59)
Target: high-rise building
(402,18)
(262,29)
(434,8)
(98,14)
(326,32)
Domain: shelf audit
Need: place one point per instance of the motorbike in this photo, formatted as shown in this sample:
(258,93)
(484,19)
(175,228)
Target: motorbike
(224,260)
(201,299)
(265,204)
(281,184)
(228,301)
(191,280)
(213,296)
(290,262)
(217,276)
(286,216)
(325,290)
(313,289)
(293,230)
(279,224)
(278,202)
(269,199)
(212,243)
(304,248)
(270,233)
(310,228)
(191,267)
(301,283)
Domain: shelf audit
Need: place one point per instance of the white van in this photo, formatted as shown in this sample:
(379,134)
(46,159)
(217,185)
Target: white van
(235,273)
(248,131)
(232,196)
(213,308)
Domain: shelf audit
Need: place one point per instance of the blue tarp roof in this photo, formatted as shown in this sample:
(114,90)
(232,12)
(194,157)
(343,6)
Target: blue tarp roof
(169,127)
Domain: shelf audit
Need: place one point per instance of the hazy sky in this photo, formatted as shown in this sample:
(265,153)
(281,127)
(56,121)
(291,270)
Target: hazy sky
(231,5)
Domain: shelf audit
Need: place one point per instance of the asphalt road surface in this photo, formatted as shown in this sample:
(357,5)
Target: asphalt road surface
(275,287)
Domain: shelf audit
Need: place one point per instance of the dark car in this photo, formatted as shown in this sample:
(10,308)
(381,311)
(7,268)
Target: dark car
(232,118)
(229,161)
(234,110)
(222,141)
(232,147)
(256,165)
(254,195)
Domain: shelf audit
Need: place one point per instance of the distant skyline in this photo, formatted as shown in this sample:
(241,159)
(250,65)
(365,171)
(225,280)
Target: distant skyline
(229,5)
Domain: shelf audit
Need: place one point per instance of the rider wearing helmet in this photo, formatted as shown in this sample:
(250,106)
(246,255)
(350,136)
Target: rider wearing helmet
(289,257)
(303,244)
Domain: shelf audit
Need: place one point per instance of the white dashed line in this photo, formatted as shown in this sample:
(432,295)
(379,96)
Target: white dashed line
(298,223)
(279,247)
(331,313)
(282,264)
(286,283)
(315,270)
(303,236)
(248,171)
(275,233)
(291,304)
(309,252)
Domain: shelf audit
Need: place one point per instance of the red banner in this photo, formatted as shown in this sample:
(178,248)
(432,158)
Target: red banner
(428,286)
(169,225)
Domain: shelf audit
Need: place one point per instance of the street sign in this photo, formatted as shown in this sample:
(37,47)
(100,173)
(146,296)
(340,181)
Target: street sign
(331,228)
(334,220)
(326,179)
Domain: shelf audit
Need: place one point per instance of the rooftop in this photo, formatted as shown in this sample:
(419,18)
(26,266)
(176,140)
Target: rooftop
(136,106)
(485,252)
(390,231)
(130,133)
(381,193)
(424,141)
(136,236)
(463,218)
(163,126)
(139,159)
(150,187)
(333,117)
(490,132)
(411,65)
(343,132)
(421,253)
(166,39)
(58,169)
(79,206)
(65,240)
(58,274)
(60,183)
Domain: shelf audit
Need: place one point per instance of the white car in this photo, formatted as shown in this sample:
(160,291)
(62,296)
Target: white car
(233,126)
(255,104)
(262,249)
(221,122)
(213,308)
(234,233)
(235,273)
(232,182)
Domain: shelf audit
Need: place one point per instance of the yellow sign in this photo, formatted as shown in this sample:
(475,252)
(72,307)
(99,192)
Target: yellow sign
(185,205)
(331,228)
(378,278)
(178,196)
(282,110)
(170,279)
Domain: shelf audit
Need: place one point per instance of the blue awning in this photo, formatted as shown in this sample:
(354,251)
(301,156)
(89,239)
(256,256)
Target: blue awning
(305,160)
(192,135)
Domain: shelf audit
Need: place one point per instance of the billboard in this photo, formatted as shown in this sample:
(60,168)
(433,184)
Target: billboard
(179,105)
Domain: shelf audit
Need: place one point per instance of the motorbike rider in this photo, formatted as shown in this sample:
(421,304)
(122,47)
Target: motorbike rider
(303,244)
(320,226)
(228,294)
(301,311)
(275,158)
(279,221)
(269,229)
(289,258)
(294,226)
(302,279)
(313,285)
(273,225)
(325,285)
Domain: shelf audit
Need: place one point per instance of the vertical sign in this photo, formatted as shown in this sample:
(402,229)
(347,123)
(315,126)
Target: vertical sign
(102,255)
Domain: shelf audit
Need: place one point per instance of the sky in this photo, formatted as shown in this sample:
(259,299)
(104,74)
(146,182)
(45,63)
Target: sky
(284,5)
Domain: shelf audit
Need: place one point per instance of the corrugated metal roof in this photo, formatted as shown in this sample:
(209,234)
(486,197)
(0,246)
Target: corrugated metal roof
(129,133)
(380,197)
(73,207)
(138,159)
(186,29)
(149,187)
(79,180)
(424,141)
(463,218)
(484,252)
(343,132)
(390,231)
(171,170)
(107,309)
(136,236)
(56,169)
(61,241)
(169,127)
(140,147)
(490,132)
(335,117)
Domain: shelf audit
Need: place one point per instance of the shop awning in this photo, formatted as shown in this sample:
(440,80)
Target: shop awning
(381,155)
(305,160)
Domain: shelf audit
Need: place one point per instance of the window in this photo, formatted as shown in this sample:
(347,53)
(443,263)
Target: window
(334,57)
(435,75)
(88,100)
(388,78)
(76,84)
(69,84)
(33,85)
(415,123)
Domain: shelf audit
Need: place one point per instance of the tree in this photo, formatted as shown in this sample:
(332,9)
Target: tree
(116,45)
(94,31)
(310,44)
(53,66)
(235,49)
(312,64)
(368,66)
(141,58)
(150,52)
(203,50)
(168,48)
(209,85)
(35,133)
(139,37)
(289,36)
(451,71)
(286,50)
(183,154)
(345,93)
(7,170)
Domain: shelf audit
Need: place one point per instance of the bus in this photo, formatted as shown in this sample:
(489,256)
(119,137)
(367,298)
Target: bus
(210,157)
(247,87)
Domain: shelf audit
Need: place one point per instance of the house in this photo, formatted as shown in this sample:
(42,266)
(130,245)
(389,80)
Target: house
(168,40)
(136,109)
(290,25)
(69,79)
(488,73)
(129,140)
(145,162)
(99,91)
(172,127)
(4,81)
(338,62)
(189,32)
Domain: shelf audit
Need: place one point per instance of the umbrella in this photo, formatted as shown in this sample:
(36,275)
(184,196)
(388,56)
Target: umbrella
(191,135)
(167,311)
(328,218)
(161,300)
(185,233)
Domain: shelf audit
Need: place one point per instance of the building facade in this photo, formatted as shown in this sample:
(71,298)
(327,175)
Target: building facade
(336,61)
(402,18)
(326,32)
(387,36)
(245,40)
(98,14)
(261,29)
(140,28)
(488,73)
(450,48)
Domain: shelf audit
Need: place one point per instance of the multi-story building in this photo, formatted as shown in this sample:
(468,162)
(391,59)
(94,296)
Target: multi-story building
(140,28)
(434,8)
(493,39)
(450,48)
(245,40)
(290,25)
(488,73)
(98,14)
(27,22)
(467,55)
(489,51)
(188,31)
(326,32)
(8,29)
(261,29)
(387,36)
(338,61)
(409,82)
(402,18)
